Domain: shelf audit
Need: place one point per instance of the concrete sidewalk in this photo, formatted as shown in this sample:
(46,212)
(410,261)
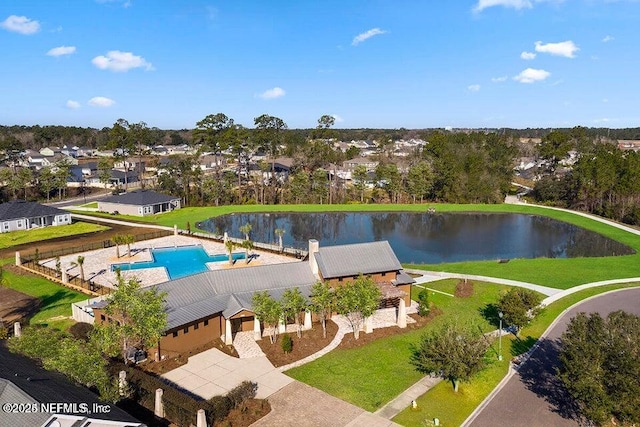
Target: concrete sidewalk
(403,401)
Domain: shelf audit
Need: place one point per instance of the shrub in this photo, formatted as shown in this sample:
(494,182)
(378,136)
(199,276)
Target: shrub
(240,394)
(464,289)
(423,303)
(287,343)
(81,330)
(4,332)
(38,343)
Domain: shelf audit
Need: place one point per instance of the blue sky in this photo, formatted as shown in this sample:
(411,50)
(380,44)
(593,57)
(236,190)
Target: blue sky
(391,63)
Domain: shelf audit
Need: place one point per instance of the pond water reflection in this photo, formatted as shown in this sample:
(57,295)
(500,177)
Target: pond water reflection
(428,238)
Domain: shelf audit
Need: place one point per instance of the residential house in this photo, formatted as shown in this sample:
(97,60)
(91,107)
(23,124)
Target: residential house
(218,303)
(23,215)
(139,203)
(350,165)
(26,385)
(49,151)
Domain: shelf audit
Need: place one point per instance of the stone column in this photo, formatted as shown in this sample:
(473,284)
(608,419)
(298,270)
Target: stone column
(18,260)
(17,329)
(282,326)
(225,237)
(201,420)
(175,229)
(402,314)
(122,382)
(257,332)
(368,325)
(158,409)
(65,276)
(228,336)
(307,320)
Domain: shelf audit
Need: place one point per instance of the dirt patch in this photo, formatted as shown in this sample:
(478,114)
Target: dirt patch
(464,289)
(350,342)
(16,306)
(311,342)
(172,363)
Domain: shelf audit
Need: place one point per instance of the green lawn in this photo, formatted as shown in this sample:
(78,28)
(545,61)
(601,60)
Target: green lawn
(558,273)
(453,408)
(15,238)
(91,205)
(372,375)
(55,299)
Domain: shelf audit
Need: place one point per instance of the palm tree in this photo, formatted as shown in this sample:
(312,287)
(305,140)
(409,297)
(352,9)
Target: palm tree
(280,232)
(128,239)
(230,245)
(246,229)
(117,240)
(247,245)
(80,262)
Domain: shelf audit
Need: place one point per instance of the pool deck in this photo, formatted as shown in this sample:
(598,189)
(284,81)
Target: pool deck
(97,263)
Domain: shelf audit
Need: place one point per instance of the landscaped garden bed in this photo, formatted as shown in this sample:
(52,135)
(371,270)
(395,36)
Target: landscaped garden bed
(311,342)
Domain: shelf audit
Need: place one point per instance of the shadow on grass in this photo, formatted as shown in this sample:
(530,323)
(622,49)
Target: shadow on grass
(490,313)
(520,346)
(59,297)
(538,374)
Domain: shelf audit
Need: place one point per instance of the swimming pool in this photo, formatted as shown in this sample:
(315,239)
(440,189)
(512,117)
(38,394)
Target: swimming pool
(179,261)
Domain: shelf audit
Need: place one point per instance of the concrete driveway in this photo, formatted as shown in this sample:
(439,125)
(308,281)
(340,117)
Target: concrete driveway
(213,373)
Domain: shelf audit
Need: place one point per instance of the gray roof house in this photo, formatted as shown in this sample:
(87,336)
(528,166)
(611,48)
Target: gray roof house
(23,215)
(139,203)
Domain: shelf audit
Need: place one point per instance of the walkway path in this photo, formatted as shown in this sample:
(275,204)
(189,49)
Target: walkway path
(403,401)
(440,275)
(531,395)
(119,222)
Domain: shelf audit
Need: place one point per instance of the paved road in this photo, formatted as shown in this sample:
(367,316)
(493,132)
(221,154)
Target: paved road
(532,397)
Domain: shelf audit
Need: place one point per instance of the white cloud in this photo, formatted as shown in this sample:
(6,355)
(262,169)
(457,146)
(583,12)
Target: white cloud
(116,60)
(337,118)
(567,48)
(527,56)
(20,24)
(602,120)
(62,50)
(101,101)
(73,104)
(499,79)
(514,4)
(608,38)
(531,75)
(276,92)
(367,35)
(473,88)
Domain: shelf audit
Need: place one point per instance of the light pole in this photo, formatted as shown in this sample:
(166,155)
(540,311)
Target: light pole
(500,314)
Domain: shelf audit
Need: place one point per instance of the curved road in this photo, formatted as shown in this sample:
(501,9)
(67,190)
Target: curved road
(532,396)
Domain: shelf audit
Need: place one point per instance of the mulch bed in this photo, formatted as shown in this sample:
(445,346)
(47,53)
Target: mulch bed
(172,363)
(310,342)
(16,306)
(464,289)
(245,415)
(350,342)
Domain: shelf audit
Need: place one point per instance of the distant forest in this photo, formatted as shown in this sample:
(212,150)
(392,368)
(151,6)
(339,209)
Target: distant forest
(36,137)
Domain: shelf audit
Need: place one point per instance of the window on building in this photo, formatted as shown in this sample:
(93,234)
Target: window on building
(19,223)
(102,317)
(175,334)
(196,326)
(186,330)
(384,274)
(206,322)
(339,279)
